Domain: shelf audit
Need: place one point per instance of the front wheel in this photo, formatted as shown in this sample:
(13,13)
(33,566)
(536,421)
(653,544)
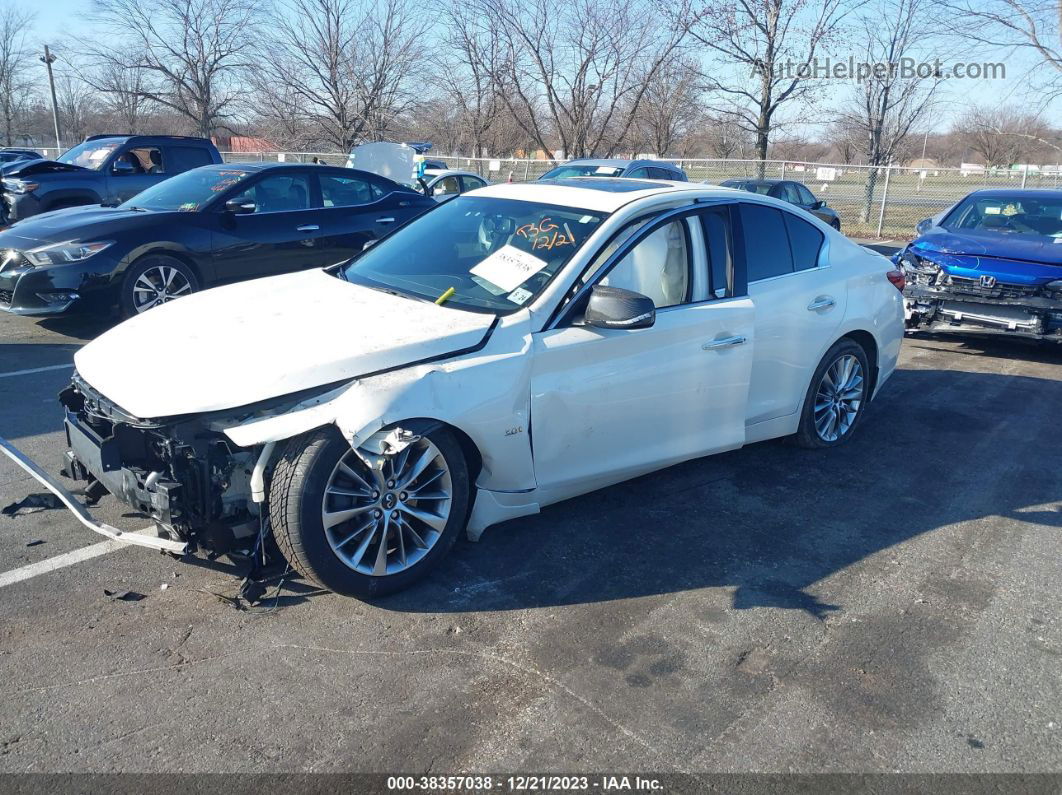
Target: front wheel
(366,525)
(153,280)
(836,398)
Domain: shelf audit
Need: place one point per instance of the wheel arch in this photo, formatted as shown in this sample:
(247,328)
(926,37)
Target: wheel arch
(161,250)
(865,340)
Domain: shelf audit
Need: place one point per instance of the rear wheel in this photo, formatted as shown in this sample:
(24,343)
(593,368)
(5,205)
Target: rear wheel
(153,280)
(365,525)
(836,398)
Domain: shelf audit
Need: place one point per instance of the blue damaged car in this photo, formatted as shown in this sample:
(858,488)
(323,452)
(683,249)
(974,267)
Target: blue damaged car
(992,262)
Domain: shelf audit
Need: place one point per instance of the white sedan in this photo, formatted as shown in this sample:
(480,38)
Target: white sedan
(504,351)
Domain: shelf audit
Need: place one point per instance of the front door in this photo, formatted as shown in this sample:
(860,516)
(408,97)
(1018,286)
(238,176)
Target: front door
(610,404)
(282,234)
(132,171)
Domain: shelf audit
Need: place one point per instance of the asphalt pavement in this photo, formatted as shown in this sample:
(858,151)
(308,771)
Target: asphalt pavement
(892,604)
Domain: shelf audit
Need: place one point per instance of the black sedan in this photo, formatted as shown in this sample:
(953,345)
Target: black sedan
(788,191)
(208,226)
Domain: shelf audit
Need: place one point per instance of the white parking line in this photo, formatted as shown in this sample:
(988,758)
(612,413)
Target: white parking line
(59,562)
(37,370)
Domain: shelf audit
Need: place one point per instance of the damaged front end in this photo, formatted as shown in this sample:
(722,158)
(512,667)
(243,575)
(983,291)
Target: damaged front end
(199,487)
(944,291)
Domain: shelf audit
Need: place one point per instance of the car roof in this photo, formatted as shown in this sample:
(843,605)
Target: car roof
(450,172)
(744,181)
(257,167)
(619,162)
(601,194)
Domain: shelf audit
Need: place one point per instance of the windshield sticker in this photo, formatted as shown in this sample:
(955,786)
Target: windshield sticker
(991,211)
(520,296)
(509,267)
(607,170)
(546,234)
(188,207)
(586,219)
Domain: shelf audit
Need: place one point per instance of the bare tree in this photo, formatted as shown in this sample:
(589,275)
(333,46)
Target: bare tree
(1002,135)
(15,60)
(1030,25)
(122,91)
(345,65)
(670,107)
(574,76)
(78,106)
(887,103)
(189,53)
(766,52)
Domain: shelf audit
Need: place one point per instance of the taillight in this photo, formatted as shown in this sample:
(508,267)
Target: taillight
(899,281)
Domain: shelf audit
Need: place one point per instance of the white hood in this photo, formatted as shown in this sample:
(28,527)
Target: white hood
(247,342)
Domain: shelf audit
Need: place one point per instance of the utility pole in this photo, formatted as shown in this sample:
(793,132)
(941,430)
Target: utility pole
(925,142)
(48,59)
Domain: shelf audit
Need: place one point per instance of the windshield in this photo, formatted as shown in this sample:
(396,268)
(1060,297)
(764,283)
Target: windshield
(496,254)
(90,154)
(189,191)
(561,172)
(1008,215)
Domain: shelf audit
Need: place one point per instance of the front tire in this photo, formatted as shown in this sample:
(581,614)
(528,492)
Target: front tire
(368,526)
(153,280)
(836,398)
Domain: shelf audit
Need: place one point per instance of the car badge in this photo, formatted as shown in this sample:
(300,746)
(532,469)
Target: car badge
(988,281)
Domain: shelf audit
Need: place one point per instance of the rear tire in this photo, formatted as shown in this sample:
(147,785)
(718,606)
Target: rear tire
(836,398)
(381,537)
(152,280)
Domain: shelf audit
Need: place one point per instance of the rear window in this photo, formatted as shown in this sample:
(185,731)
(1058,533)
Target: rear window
(184,158)
(767,251)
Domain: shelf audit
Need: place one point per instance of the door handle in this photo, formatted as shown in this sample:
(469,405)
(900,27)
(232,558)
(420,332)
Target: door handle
(822,302)
(725,342)
(385,220)
(307,228)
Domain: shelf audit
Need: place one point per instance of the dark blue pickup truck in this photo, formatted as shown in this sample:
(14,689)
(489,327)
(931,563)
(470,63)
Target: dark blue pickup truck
(104,169)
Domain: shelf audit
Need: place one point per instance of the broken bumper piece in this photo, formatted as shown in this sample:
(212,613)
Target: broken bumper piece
(82,513)
(1033,317)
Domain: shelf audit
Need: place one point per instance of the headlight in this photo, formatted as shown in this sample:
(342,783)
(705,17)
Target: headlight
(62,253)
(919,270)
(20,186)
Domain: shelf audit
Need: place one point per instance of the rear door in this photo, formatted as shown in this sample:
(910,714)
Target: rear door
(358,208)
(282,234)
(800,301)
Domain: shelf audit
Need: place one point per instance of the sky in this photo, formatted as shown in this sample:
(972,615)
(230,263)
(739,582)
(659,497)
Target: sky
(59,18)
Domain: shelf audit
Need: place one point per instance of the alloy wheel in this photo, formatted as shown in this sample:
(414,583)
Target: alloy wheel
(839,397)
(158,285)
(383,514)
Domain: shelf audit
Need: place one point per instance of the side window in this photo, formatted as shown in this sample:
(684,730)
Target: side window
(658,267)
(805,241)
(446,186)
(338,191)
(807,198)
(660,173)
(279,193)
(143,160)
(767,251)
(717,236)
(184,158)
(638,173)
(790,193)
(471,183)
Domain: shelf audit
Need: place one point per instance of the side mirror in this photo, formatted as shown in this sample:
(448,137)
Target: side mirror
(240,206)
(923,226)
(614,307)
(818,205)
(122,168)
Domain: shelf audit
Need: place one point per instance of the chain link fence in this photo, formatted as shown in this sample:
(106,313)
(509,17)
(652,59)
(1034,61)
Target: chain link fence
(882,202)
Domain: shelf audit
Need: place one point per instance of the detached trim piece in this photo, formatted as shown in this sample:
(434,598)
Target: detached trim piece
(82,513)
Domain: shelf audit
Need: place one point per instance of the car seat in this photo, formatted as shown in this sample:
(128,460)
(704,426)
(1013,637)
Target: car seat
(656,267)
(156,161)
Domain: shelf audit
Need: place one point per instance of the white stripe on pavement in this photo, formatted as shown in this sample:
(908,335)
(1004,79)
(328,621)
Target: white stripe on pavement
(59,562)
(37,370)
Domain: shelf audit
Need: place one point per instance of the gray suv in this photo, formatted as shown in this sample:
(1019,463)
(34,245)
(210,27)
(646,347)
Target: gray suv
(104,169)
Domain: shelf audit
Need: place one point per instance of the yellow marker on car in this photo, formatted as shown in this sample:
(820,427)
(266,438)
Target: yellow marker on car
(442,299)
